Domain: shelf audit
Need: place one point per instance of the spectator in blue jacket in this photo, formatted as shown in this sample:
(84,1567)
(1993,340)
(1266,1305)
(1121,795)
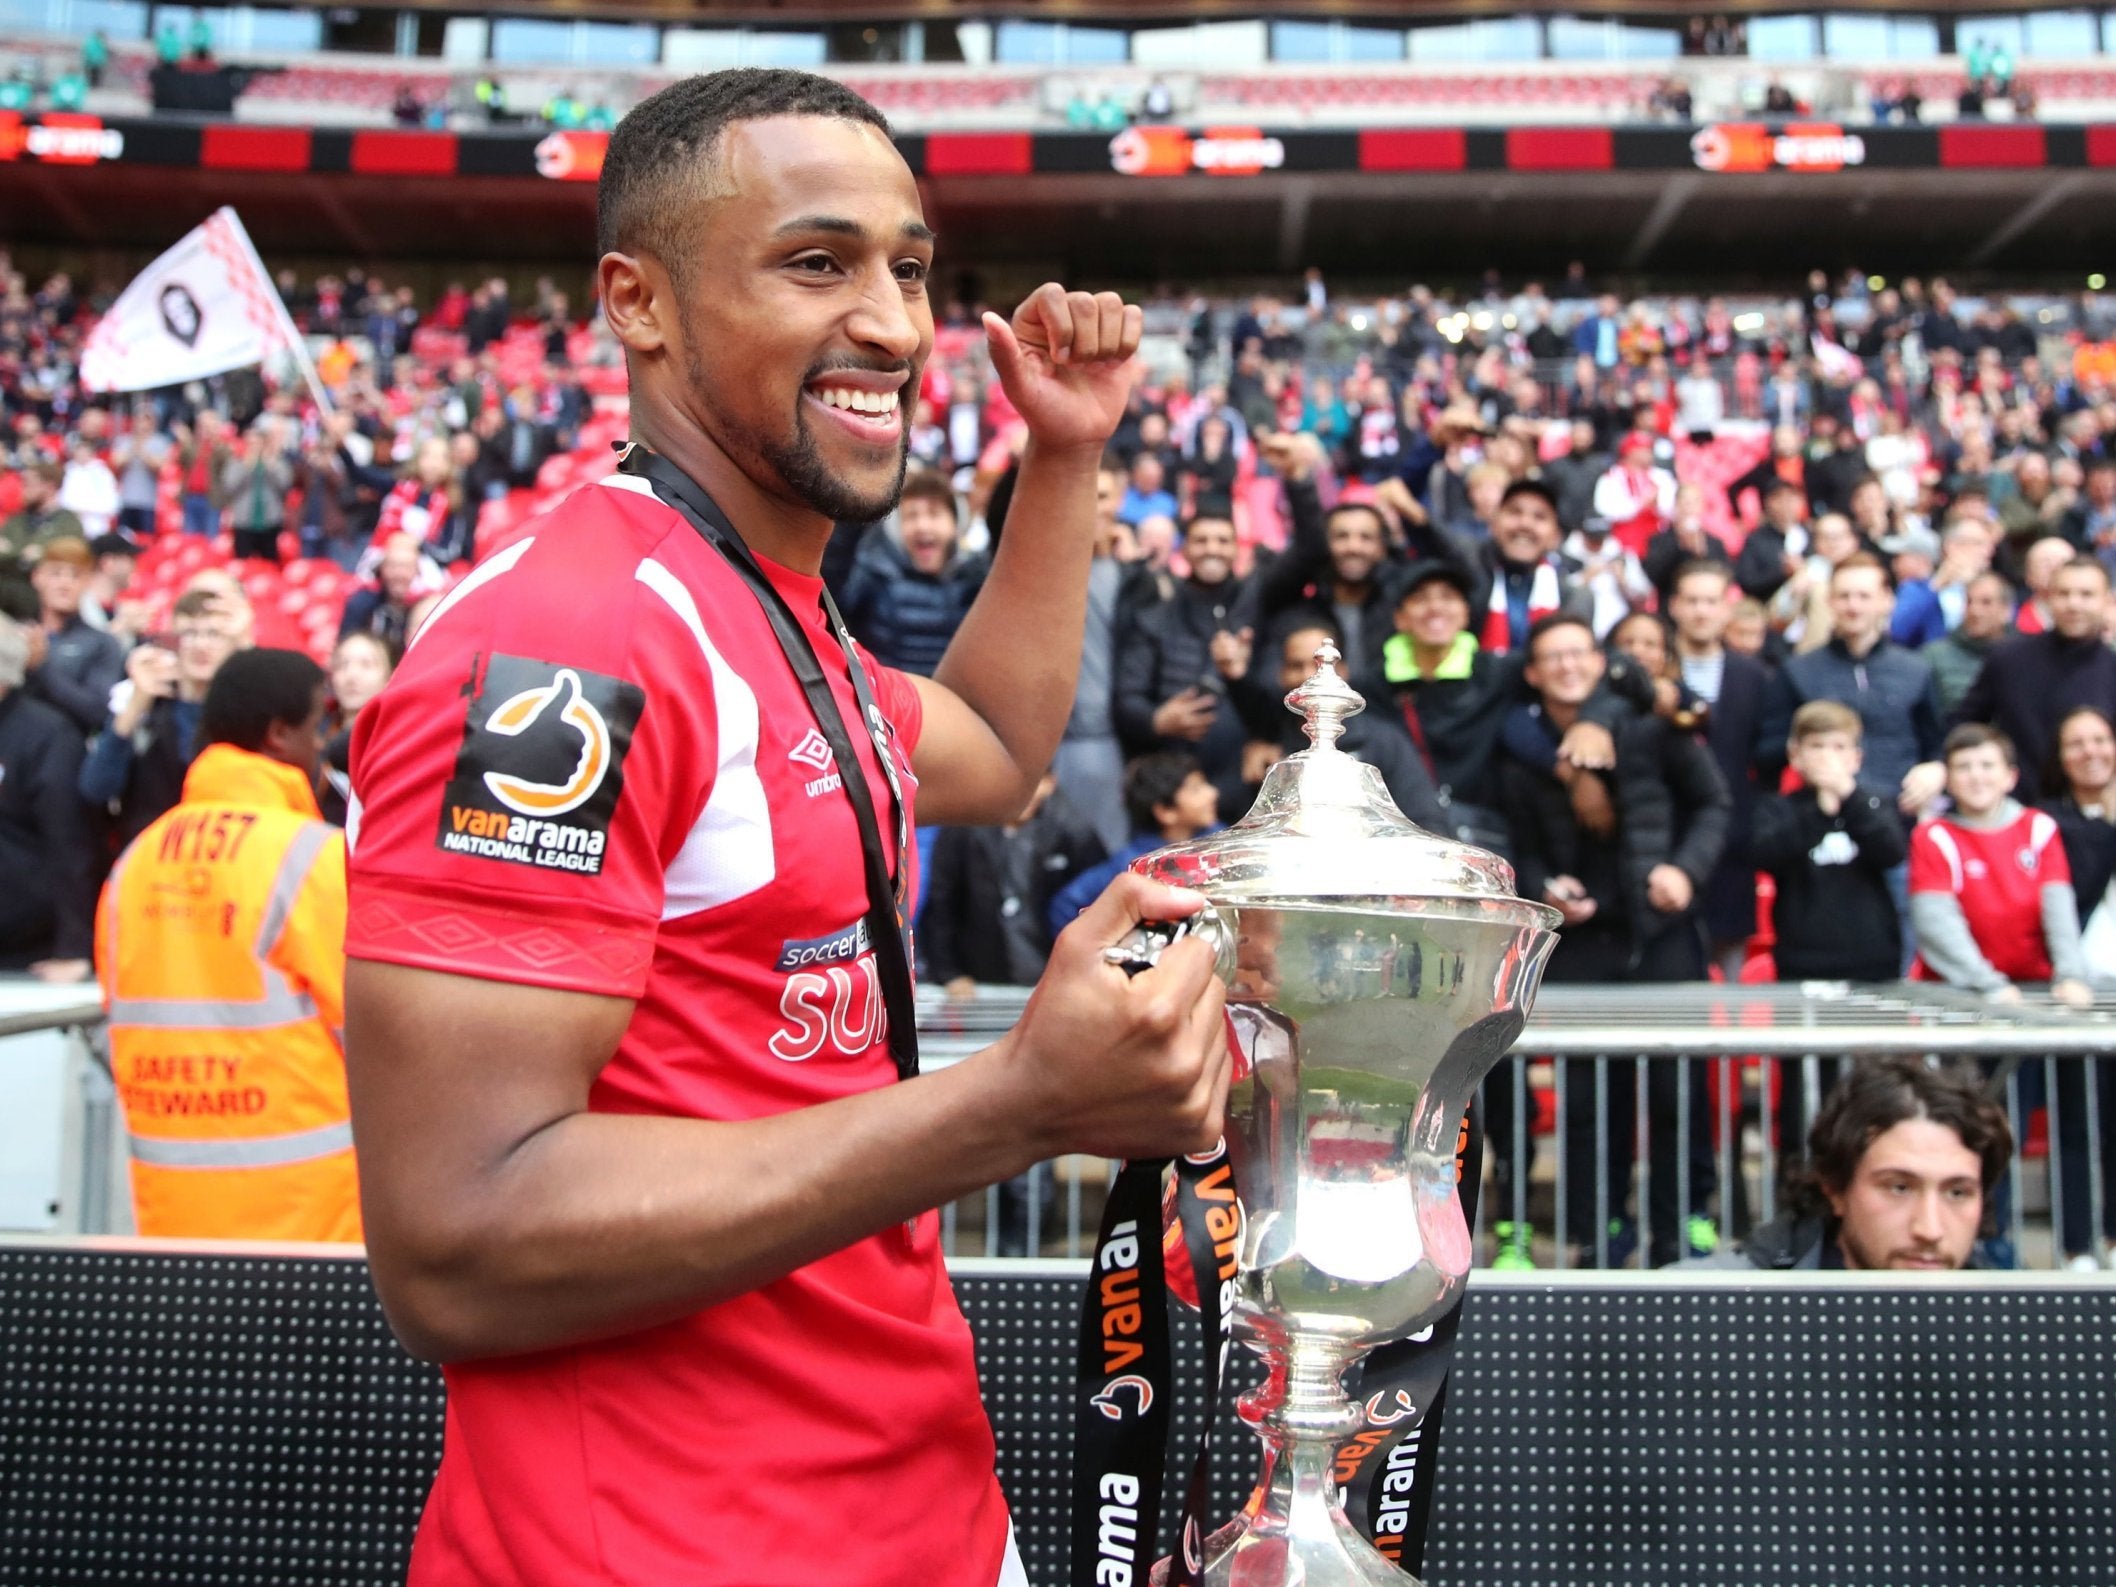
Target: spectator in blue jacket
(1170,800)
(910,587)
(1919,619)
(1890,687)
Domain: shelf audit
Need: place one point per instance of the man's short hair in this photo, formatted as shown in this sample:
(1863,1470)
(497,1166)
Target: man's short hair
(1554,620)
(1698,567)
(253,690)
(1151,781)
(1778,487)
(1817,717)
(1975,735)
(1861,559)
(924,484)
(1197,518)
(73,551)
(1381,524)
(196,603)
(2091,564)
(1872,1097)
(660,158)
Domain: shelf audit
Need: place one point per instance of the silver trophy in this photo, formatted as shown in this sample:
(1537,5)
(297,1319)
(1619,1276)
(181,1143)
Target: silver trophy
(1377,973)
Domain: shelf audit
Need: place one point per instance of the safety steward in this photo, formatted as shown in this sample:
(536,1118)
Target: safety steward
(220,946)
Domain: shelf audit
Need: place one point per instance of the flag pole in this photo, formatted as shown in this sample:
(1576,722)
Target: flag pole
(287,328)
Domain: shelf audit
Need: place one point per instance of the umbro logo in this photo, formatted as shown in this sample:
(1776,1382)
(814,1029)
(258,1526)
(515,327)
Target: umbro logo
(812,752)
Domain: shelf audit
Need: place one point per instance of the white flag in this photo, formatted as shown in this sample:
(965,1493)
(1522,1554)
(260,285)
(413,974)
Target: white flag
(204,307)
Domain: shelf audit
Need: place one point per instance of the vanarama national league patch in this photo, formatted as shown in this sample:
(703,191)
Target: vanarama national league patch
(541,766)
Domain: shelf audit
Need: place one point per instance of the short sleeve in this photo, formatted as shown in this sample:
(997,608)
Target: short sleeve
(1929,870)
(521,785)
(2053,864)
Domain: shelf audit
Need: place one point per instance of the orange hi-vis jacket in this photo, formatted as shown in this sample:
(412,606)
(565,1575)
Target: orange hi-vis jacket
(220,945)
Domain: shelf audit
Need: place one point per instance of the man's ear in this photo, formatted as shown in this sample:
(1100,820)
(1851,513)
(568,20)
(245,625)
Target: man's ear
(637,300)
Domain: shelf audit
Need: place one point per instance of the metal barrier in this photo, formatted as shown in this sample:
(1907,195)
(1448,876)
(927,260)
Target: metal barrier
(1744,1051)
(1753,1064)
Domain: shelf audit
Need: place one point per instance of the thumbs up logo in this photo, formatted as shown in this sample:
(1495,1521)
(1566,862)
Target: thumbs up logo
(562,748)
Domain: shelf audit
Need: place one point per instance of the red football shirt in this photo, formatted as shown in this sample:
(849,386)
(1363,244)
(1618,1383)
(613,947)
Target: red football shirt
(1998,876)
(595,770)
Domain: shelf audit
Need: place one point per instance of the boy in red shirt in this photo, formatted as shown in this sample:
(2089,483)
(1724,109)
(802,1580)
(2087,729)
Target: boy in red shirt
(1990,890)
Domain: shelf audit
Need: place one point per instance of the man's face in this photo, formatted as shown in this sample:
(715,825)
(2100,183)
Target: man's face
(202,644)
(37,489)
(1208,545)
(1433,614)
(1859,604)
(1109,495)
(1564,665)
(300,745)
(2101,486)
(1354,539)
(2079,599)
(1698,608)
(1582,437)
(1987,607)
(1296,661)
(59,586)
(803,314)
(1914,1201)
(1689,507)
(929,533)
(1147,475)
(1525,529)
(1782,508)
(400,566)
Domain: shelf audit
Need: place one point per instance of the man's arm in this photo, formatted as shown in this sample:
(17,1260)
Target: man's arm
(85,700)
(996,706)
(1701,796)
(69,849)
(503,1216)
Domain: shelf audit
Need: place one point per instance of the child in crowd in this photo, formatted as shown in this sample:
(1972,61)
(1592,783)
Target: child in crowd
(1830,846)
(1990,889)
(1170,800)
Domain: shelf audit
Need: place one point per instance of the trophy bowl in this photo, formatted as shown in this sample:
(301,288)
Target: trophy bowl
(1378,973)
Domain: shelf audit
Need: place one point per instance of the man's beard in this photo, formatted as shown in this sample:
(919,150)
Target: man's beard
(800,465)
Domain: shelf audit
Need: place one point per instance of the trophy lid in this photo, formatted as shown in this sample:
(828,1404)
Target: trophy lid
(1324,833)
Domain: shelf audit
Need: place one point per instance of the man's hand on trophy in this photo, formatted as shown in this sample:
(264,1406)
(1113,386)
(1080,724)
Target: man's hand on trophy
(1116,1064)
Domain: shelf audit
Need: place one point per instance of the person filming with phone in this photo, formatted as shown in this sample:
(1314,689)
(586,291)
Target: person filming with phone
(135,768)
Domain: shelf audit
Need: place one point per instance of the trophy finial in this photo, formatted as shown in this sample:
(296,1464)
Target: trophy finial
(1325,699)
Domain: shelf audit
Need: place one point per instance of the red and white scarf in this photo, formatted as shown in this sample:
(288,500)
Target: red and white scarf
(1543,597)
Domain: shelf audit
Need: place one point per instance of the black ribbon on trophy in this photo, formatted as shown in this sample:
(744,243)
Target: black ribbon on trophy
(1386,1473)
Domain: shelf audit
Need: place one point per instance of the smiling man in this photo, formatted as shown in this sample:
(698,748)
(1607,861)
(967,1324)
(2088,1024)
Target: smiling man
(1901,1161)
(626,1026)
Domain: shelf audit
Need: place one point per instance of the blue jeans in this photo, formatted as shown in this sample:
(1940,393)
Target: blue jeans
(201,517)
(1898,879)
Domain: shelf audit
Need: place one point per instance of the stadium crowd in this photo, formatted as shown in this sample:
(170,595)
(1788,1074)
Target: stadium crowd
(1763,639)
